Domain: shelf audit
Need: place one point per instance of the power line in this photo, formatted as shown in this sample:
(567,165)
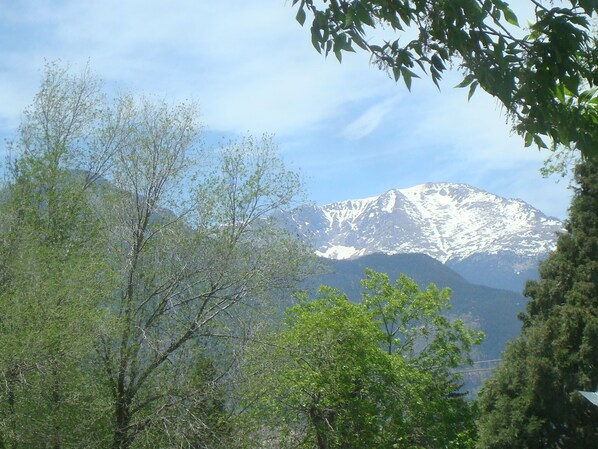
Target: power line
(487,361)
(467,370)
(478,370)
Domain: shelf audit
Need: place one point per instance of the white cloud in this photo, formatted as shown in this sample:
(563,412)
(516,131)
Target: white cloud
(249,64)
(367,122)
(252,68)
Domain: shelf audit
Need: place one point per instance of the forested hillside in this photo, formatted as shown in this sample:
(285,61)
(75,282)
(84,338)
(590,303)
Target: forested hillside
(492,311)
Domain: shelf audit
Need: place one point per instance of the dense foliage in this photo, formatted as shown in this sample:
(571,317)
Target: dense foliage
(545,78)
(532,400)
(127,253)
(378,374)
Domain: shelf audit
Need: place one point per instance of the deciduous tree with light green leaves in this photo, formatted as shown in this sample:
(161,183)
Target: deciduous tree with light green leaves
(545,76)
(376,374)
(127,250)
(52,279)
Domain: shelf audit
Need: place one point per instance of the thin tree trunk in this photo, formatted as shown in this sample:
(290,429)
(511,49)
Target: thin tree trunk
(122,434)
(318,423)
(55,399)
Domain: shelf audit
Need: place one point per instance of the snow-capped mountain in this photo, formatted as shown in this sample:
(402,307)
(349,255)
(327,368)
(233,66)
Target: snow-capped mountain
(452,223)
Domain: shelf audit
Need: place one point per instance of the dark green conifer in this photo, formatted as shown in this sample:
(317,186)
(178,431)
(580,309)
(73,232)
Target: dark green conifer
(532,400)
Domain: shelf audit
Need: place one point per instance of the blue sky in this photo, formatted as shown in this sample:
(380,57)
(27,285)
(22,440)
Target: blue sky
(349,129)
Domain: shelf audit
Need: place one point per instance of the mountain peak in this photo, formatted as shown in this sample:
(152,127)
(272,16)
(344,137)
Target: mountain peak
(443,220)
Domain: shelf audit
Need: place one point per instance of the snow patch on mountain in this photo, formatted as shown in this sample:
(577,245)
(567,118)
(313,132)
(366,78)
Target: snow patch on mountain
(443,220)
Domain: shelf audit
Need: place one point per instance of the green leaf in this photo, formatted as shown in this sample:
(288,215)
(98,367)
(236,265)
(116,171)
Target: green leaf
(559,93)
(589,6)
(359,41)
(437,62)
(572,84)
(300,17)
(472,89)
(539,142)
(396,73)
(466,81)
(510,16)
(316,37)
(436,77)
(349,19)
(528,139)
(338,53)
(344,43)
(407,80)
(363,15)
(587,95)
(407,76)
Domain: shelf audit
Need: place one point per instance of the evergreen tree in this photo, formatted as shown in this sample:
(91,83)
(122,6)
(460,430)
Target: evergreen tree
(532,401)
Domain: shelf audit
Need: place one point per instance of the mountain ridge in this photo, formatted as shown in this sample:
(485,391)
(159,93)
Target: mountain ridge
(454,223)
(443,220)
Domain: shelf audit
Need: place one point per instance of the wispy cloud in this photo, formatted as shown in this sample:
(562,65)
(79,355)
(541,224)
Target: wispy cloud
(367,122)
(253,69)
(249,64)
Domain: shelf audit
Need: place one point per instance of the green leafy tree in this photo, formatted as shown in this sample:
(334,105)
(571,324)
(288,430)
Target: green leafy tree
(431,347)
(127,250)
(183,276)
(51,279)
(545,79)
(49,317)
(331,380)
(532,399)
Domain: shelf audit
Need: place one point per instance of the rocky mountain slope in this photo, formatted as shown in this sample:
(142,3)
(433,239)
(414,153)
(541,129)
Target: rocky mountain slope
(480,235)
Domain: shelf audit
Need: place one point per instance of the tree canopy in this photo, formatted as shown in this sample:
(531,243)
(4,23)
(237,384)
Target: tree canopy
(127,250)
(545,77)
(378,374)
